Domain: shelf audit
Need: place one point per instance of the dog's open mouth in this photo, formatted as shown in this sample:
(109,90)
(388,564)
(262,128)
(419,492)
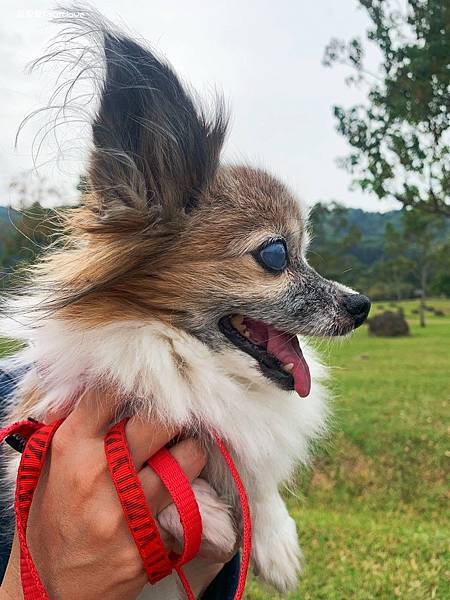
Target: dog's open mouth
(278,353)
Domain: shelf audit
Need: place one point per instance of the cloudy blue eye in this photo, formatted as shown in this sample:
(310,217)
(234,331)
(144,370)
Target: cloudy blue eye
(273,256)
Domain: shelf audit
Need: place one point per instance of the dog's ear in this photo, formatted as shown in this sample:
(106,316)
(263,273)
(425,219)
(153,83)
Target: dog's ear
(155,151)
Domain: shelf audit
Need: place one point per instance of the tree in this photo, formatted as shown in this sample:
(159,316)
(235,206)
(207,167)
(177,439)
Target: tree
(396,265)
(440,284)
(30,232)
(400,137)
(83,185)
(333,242)
(420,232)
(26,232)
(30,190)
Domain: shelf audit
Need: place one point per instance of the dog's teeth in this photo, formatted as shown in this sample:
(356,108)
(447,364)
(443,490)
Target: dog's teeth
(237,320)
(288,368)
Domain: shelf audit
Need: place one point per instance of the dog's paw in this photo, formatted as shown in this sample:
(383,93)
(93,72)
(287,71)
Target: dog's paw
(277,556)
(219,535)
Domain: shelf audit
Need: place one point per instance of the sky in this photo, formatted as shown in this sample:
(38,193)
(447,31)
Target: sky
(264,55)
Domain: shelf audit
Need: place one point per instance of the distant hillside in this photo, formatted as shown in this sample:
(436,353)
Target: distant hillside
(372,223)
(22,236)
(372,226)
(350,245)
(6,214)
(333,221)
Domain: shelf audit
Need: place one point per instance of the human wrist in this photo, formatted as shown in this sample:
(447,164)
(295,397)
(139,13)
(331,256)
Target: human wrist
(11,588)
(7,595)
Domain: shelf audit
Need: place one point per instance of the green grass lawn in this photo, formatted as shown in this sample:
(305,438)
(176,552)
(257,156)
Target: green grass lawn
(371,514)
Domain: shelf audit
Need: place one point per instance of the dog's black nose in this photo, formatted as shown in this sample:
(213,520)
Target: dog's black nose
(358,306)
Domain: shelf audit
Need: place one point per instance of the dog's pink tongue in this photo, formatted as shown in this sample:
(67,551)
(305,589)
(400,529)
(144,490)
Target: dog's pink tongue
(287,349)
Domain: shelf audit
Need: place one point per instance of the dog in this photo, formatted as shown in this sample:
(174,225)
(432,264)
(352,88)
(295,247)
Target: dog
(181,284)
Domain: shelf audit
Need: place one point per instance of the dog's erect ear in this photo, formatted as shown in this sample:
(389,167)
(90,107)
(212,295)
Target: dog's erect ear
(154,149)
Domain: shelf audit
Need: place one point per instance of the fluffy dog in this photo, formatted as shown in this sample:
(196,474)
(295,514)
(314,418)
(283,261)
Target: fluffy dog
(182,287)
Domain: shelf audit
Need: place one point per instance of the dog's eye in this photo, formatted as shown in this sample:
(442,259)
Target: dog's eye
(273,256)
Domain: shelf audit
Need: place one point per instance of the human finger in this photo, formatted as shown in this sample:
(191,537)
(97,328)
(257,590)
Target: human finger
(92,415)
(192,459)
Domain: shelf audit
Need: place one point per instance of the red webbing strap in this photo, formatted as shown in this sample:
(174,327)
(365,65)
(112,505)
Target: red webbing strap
(30,467)
(246,518)
(140,520)
(179,487)
(22,428)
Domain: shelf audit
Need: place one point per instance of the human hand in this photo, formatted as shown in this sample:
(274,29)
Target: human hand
(77,535)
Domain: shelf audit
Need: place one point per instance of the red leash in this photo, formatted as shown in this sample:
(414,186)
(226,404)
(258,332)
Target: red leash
(35,438)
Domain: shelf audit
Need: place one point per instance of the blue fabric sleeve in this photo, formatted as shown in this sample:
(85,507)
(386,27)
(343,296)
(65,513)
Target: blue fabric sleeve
(224,585)
(7,383)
